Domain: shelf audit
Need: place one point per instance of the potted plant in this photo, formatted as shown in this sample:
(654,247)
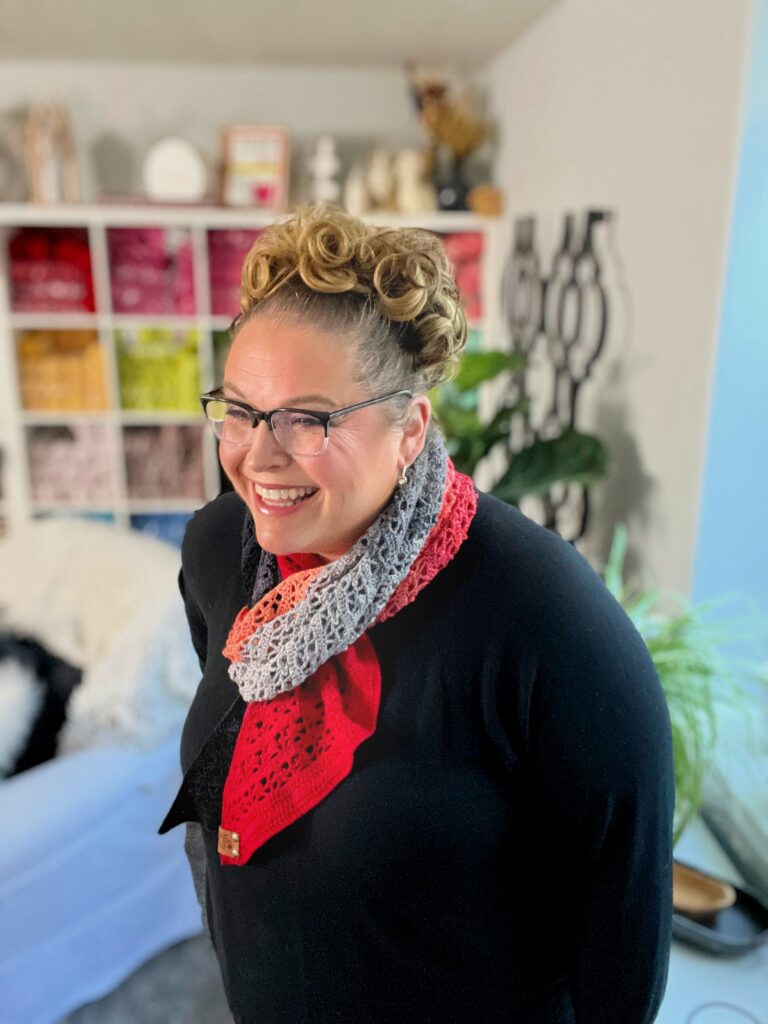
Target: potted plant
(697,679)
(572,457)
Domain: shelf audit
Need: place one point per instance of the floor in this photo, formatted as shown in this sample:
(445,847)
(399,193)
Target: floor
(182,985)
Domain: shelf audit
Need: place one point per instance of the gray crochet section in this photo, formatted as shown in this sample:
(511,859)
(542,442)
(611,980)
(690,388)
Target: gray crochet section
(348,594)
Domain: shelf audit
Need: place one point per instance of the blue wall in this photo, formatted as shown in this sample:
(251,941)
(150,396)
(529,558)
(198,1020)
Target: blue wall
(732,544)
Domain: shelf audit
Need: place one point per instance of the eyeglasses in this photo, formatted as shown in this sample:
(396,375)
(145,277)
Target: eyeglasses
(298,431)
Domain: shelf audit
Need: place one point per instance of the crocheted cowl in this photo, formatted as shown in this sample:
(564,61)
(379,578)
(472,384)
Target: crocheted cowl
(303,662)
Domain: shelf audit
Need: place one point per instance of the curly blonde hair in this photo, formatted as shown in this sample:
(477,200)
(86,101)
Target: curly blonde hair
(391,290)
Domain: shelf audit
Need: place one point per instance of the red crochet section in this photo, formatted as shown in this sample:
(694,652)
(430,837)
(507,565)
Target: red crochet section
(293,750)
(443,541)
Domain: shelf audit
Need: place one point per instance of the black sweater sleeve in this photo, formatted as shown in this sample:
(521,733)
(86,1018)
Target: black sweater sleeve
(602,775)
(193,842)
(197,627)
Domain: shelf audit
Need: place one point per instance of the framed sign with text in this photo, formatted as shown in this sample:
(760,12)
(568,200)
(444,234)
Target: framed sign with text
(255,166)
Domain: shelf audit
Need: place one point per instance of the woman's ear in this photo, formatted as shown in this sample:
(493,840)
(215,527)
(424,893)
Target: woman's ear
(415,429)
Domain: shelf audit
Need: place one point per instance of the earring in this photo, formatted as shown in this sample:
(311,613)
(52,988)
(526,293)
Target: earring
(403,479)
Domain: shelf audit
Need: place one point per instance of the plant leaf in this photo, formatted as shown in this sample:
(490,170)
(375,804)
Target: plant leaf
(570,458)
(615,567)
(478,367)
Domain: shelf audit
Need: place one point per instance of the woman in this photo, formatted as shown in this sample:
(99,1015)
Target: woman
(428,769)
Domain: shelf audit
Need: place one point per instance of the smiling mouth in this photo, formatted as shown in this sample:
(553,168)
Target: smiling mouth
(285,498)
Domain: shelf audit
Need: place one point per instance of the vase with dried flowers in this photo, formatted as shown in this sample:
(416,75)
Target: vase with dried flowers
(455,132)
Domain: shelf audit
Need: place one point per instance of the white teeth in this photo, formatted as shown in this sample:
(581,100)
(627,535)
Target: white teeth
(289,494)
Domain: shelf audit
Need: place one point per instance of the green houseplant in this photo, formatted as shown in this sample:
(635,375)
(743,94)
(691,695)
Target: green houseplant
(572,457)
(697,678)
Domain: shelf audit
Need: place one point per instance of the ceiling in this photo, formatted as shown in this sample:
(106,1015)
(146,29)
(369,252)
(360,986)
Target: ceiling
(462,33)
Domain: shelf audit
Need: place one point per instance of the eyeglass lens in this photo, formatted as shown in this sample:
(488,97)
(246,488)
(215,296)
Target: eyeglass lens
(298,433)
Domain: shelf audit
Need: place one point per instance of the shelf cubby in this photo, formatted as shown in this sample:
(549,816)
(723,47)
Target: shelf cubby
(69,463)
(158,368)
(164,461)
(61,371)
(151,270)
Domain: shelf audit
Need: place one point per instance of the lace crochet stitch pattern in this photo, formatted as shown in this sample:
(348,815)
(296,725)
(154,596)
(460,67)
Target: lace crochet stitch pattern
(284,596)
(458,508)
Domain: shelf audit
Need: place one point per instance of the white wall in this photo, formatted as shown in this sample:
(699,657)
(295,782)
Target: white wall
(121,109)
(636,107)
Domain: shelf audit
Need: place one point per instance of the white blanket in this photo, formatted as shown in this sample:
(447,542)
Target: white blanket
(107,600)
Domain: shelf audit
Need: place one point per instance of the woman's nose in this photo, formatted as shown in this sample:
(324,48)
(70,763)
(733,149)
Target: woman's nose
(264,449)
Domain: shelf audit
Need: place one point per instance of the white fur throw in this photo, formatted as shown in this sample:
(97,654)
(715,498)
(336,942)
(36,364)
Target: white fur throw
(107,600)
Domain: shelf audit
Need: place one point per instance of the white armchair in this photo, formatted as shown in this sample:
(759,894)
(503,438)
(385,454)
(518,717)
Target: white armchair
(88,889)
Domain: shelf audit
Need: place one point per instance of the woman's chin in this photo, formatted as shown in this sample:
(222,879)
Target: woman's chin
(277,537)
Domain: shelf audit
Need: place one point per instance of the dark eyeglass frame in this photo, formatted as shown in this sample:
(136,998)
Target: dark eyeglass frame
(325,418)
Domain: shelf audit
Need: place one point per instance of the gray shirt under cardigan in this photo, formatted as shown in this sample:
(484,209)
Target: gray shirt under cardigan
(501,850)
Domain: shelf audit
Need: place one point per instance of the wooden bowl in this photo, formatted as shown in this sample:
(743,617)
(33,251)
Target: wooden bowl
(697,894)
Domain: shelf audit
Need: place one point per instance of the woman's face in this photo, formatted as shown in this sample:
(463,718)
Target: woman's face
(273,364)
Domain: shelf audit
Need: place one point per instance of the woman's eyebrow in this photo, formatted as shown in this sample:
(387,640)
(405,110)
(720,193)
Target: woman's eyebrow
(290,401)
(312,398)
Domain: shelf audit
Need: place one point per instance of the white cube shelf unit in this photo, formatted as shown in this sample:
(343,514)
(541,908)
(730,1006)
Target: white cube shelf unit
(99,405)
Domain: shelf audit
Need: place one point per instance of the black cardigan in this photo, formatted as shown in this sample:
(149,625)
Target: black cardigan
(502,848)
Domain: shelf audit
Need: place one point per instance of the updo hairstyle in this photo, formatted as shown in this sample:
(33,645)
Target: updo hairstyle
(391,292)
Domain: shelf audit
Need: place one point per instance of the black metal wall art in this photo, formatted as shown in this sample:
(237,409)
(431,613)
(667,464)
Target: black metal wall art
(559,322)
